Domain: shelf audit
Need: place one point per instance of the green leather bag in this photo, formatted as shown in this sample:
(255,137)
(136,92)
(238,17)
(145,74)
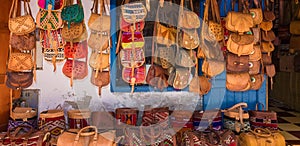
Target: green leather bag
(73,13)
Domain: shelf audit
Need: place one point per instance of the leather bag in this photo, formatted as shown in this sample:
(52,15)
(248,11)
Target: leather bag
(179,79)
(19,80)
(99,40)
(166,56)
(133,12)
(257,15)
(99,61)
(256,81)
(72,13)
(266,25)
(271,72)
(20,25)
(237,64)
(184,59)
(98,21)
(200,85)
(47,39)
(244,39)
(20,62)
(295,42)
(267,59)
(212,68)
(75,31)
(77,51)
(239,22)
(50,53)
(238,81)
(256,34)
(128,43)
(51,19)
(267,47)
(236,119)
(294,27)
(78,119)
(256,55)
(269,15)
(189,20)
(157,77)
(102,79)
(23,42)
(268,36)
(126,116)
(189,40)
(128,27)
(103,120)
(132,59)
(76,70)
(235,48)
(263,119)
(87,138)
(261,137)
(137,77)
(165,35)
(254,67)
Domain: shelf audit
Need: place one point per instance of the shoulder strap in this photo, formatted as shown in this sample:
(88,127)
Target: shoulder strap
(13,9)
(94,8)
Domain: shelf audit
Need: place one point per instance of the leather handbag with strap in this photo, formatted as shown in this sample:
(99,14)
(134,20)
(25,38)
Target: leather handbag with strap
(179,79)
(237,64)
(236,119)
(239,22)
(271,72)
(266,59)
(128,42)
(20,62)
(189,39)
(126,27)
(101,80)
(266,25)
(241,47)
(238,81)
(268,36)
(254,67)
(19,80)
(260,137)
(86,137)
(134,75)
(99,61)
(20,25)
(184,58)
(72,13)
(75,31)
(212,67)
(256,81)
(157,77)
(99,40)
(188,19)
(57,4)
(134,12)
(256,33)
(79,50)
(23,42)
(269,14)
(267,47)
(49,19)
(263,119)
(98,21)
(256,55)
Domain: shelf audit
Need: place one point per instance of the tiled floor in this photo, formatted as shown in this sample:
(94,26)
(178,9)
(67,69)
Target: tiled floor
(288,122)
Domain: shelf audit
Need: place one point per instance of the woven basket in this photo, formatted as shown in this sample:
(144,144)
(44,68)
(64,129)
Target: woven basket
(79,114)
(23,113)
(52,113)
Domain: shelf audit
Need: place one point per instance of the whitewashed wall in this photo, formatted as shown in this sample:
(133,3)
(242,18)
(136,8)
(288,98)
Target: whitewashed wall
(55,87)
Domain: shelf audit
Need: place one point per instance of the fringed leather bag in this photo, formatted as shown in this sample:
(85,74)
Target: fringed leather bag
(20,25)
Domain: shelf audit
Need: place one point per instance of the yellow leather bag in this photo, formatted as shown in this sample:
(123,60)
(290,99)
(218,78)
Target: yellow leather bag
(261,137)
(239,22)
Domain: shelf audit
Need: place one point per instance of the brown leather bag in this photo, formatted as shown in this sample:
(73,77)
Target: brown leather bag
(189,39)
(239,22)
(244,39)
(266,25)
(212,67)
(267,59)
(256,55)
(235,48)
(200,85)
(238,81)
(256,34)
(237,64)
(256,81)
(257,15)
(254,67)
(267,47)
(179,79)
(157,77)
(19,80)
(23,42)
(271,72)
(268,36)
(101,80)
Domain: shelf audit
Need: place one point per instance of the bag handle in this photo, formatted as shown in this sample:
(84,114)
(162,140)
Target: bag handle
(82,133)
(17,130)
(257,105)
(13,9)
(261,132)
(154,33)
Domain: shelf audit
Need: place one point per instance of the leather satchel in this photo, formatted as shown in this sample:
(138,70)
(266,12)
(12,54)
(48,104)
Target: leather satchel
(256,55)
(87,138)
(166,56)
(103,120)
(267,59)
(19,80)
(79,50)
(235,48)
(165,35)
(263,119)
(128,27)
(157,77)
(268,36)
(254,67)
(189,20)
(51,19)
(294,27)
(257,15)
(20,62)
(267,47)
(260,137)
(239,22)
(75,69)
(269,15)
(184,59)
(295,42)
(20,25)
(102,79)
(212,67)
(72,13)
(200,85)
(128,43)
(75,31)
(23,42)
(190,39)
(133,12)
(256,81)
(99,61)
(237,64)
(238,81)
(266,25)
(132,59)
(244,39)
(99,40)
(98,21)
(179,79)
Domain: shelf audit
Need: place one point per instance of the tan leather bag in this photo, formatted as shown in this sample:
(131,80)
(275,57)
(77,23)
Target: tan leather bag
(244,39)
(101,80)
(181,78)
(98,21)
(256,81)
(235,48)
(189,39)
(268,36)
(99,40)
(266,25)
(254,67)
(184,59)
(256,55)
(20,62)
(200,85)
(271,72)
(166,56)
(189,20)
(238,81)
(294,27)
(85,138)
(75,31)
(257,15)
(165,35)
(239,22)
(212,68)
(98,61)
(267,47)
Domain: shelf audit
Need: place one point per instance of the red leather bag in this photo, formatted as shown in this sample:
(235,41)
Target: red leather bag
(128,42)
(126,27)
(79,50)
(79,69)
